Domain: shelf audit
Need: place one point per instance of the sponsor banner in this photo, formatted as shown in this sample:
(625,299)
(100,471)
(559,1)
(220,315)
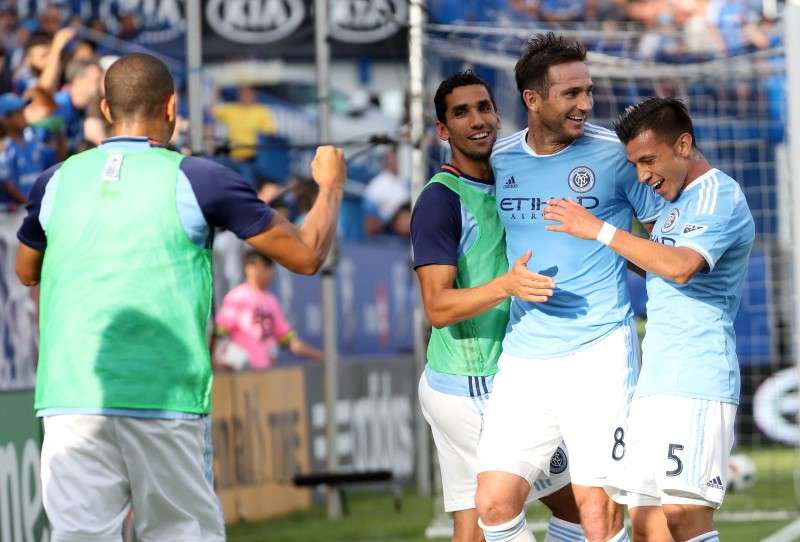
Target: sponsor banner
(269,28)
(260,443)
(775,408)
(19,337)
(375,415)
(375,296)
(22,517)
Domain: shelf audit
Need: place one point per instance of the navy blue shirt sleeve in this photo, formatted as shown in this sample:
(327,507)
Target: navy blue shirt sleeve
(436,227)
(226,199)
(31,233)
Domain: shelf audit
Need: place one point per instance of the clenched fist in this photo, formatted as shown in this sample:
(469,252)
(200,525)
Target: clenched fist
(328,168)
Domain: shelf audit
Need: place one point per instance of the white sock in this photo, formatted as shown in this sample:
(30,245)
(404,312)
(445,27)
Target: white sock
(711,536)
(621,536)
(559,530)
(515,530)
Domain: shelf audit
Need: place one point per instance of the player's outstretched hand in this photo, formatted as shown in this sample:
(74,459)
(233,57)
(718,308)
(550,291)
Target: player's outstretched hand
(573,218)
(328,168)
(525,284)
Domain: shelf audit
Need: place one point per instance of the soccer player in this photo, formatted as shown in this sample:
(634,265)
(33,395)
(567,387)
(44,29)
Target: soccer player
(569,365)
(459,256)
(119,237)
(680,429)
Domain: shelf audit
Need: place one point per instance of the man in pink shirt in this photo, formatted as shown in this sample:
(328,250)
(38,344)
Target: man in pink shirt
(252,318)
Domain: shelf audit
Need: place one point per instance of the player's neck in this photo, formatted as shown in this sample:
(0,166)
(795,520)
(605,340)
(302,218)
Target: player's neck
(477,169)
(698,166)
(151,130)
(544,142)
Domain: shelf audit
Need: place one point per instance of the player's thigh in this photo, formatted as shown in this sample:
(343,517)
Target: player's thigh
(170,465)
(603,376)
(632,476)
(697,436)
(85,488)
(520,430)
(556,478)
(455,423)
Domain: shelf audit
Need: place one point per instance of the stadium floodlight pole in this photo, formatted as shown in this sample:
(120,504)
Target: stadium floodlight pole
(792,52)
(329,337)
(194,82)
(416,59)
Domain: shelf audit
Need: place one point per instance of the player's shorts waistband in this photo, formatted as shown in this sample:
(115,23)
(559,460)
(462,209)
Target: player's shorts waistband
(464,385)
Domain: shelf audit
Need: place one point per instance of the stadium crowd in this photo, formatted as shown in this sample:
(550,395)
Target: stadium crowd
(51,66)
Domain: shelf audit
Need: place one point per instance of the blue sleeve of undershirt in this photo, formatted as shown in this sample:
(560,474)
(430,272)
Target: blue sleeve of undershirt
(225,198)
(436,227)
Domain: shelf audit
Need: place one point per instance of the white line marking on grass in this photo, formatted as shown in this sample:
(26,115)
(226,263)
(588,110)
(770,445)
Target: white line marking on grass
(787,534)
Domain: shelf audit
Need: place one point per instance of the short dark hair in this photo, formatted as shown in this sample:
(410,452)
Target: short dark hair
(668,118)
(446,87)
(138,86)
(541,52)
(253,256)
(38,38)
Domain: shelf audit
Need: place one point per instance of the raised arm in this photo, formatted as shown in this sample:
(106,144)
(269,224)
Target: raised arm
(446,305)
(678,264)
(304,250)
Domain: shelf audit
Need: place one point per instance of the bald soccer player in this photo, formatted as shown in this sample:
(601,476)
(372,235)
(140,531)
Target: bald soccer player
(119,238)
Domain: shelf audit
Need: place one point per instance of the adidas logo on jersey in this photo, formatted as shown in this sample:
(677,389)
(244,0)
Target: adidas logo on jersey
(716,483)
(511,183)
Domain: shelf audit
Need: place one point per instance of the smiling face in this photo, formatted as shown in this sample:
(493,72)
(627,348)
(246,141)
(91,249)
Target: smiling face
(471,123)
(561,115)
(662,166)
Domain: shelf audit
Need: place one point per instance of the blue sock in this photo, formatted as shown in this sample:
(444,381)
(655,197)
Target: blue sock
(559,530)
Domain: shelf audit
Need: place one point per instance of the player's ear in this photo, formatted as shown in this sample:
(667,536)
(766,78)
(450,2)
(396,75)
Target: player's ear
(442,132)
(106,111)
(683,145)
(530,98)
(172,107)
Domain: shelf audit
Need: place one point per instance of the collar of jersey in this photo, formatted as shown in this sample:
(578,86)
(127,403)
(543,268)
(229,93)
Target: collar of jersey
(128,143)
(529,149)
(701,178)
(453,170)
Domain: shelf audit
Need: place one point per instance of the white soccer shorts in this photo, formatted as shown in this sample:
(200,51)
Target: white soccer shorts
(456,423)
(95,467)
(676,452)
(581,398)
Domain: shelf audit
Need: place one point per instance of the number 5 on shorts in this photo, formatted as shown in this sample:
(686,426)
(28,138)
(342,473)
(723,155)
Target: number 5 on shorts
(678,463)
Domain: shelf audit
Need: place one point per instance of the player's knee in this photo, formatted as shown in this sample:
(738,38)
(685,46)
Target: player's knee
(493,509)
(601,518)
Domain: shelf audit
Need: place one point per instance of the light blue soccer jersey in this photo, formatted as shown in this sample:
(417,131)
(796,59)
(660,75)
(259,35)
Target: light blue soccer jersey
(591,297)
(689,347)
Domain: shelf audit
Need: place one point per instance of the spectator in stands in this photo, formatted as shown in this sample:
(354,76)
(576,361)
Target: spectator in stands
(738,25)
(34,61)
(50,19)
(252,319)
(400,224)
(81,91)
(41,114)
(24,155)
(384,195)
(245,120)
(50,77)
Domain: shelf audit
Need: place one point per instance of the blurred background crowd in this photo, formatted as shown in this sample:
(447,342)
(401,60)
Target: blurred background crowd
(53,55)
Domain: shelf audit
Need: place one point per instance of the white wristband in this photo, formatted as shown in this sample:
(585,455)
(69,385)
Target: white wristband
(606,233)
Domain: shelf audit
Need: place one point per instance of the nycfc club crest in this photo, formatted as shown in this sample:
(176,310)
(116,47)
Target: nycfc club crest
(559,462)
(671,220)
(581,179)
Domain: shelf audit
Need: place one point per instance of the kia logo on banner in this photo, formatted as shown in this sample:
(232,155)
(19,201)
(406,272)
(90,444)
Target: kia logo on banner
(255,21)
(158,21)
(365,21)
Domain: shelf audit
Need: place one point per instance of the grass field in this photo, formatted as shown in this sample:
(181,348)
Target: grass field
(373,519)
